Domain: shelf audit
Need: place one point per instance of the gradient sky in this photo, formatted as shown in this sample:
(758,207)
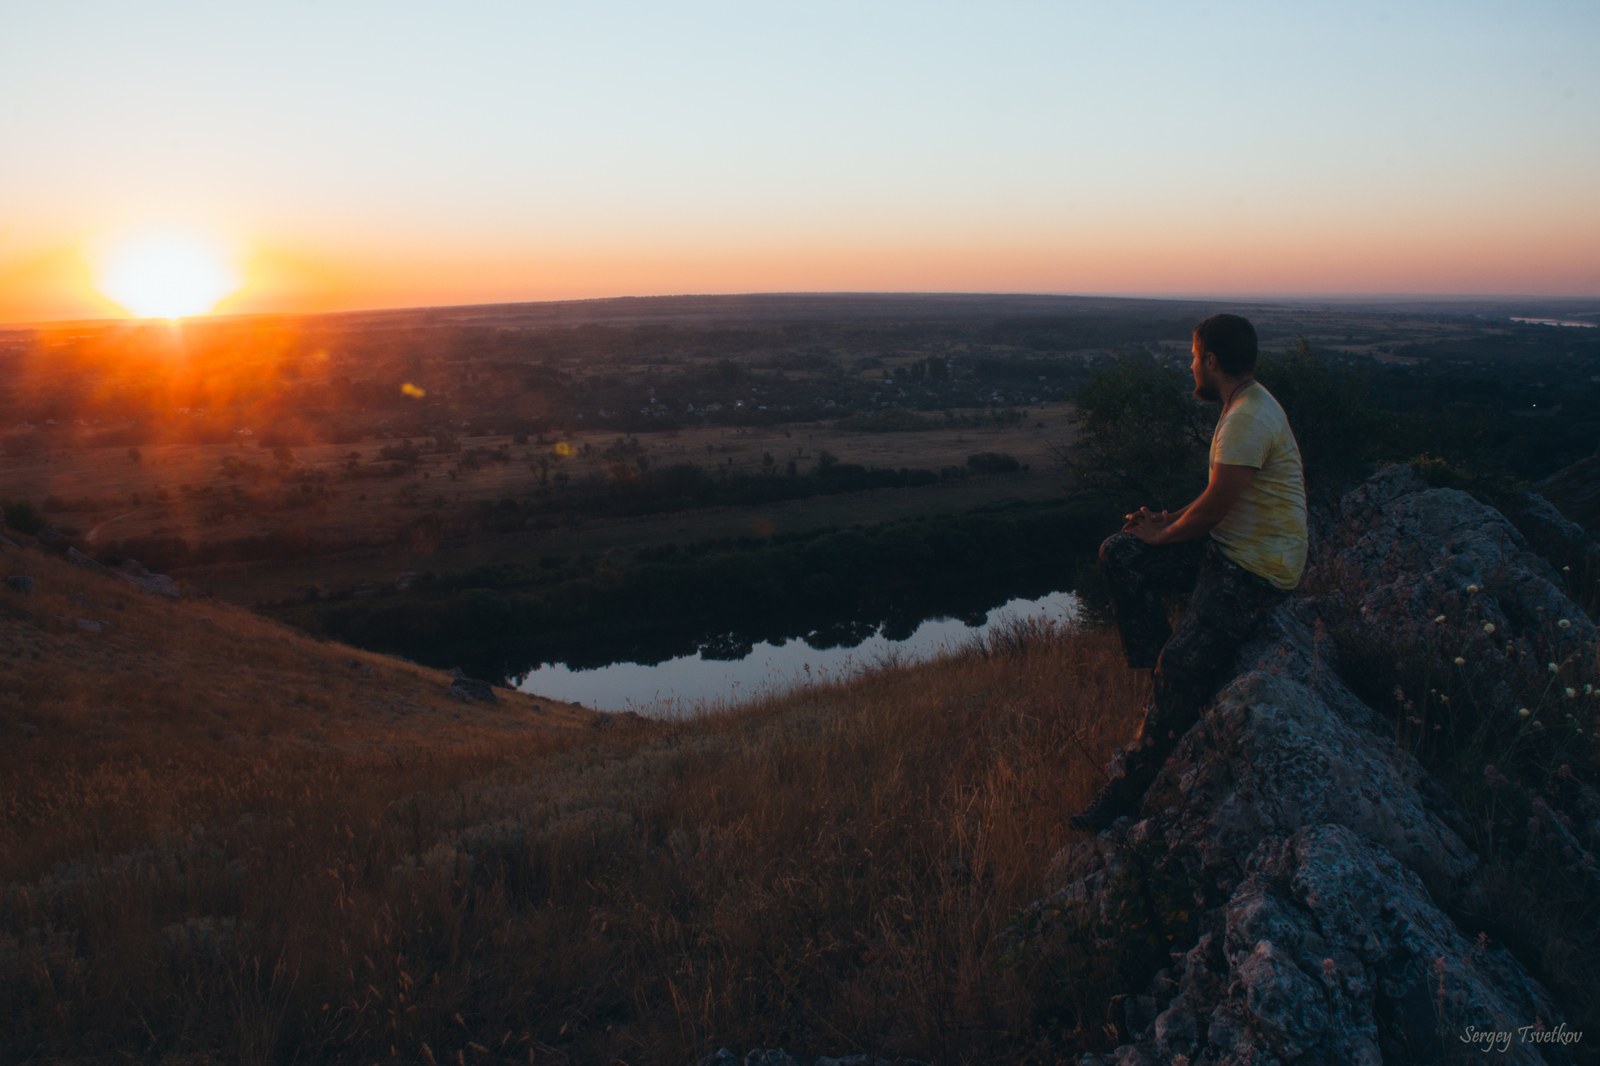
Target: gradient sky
(387,154)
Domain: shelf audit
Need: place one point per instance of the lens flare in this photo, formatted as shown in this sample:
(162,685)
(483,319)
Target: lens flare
(167,275)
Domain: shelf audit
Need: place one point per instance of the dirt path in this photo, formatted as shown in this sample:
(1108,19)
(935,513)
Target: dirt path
(89,536)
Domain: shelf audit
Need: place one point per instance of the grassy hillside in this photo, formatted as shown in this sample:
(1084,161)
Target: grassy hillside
(183,711)
(222,843)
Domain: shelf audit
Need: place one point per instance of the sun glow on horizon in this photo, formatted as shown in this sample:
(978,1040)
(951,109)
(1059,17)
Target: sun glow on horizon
(167,274)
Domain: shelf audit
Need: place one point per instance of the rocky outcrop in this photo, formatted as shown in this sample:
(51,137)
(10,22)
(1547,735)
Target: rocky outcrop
(52,539)
(1322,892)
(1565,544)
(467,689)
(1575,490)
(77,558)
(150,584)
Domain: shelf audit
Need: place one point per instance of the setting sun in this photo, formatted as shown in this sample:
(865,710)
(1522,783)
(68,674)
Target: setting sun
(167,275)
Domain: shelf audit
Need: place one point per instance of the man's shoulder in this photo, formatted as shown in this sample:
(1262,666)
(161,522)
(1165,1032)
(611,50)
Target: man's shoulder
(1259,408)
(1261,399)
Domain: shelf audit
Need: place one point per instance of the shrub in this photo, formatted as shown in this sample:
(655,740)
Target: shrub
(21,516)
(404,452)
(1141,436)
(888,420)
(1341,432)
(993,463)
(1440,474)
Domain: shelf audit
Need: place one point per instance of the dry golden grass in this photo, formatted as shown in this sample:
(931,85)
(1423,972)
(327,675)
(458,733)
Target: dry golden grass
(825,869)
(180,711)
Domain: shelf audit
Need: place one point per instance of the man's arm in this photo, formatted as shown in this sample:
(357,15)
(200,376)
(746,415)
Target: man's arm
(1200,517)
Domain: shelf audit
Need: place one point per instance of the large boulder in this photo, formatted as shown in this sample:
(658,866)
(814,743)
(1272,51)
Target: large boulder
(52,539)
(467,689)
(1575,490)
(1564,543)
(1319,886)
(77,558)
(133,572)
(1406,553)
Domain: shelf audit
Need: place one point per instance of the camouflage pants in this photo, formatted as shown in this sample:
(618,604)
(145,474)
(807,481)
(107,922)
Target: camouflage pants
(1194,660)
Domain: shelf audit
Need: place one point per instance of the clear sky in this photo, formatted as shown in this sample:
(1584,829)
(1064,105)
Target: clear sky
(353,154)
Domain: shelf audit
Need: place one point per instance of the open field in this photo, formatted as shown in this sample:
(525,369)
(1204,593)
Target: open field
(251,583)
(379,875)
(125,496)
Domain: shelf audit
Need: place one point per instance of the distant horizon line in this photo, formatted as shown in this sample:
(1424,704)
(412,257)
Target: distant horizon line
(1179,296)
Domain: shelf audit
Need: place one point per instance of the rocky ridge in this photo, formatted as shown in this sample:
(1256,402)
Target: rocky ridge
(1575,490)
(1323,900)
(1339,909)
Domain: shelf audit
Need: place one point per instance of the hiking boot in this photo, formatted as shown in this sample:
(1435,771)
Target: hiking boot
(1122,793)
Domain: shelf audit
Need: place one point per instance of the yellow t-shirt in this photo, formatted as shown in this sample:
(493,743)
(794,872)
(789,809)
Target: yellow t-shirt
(1266,531)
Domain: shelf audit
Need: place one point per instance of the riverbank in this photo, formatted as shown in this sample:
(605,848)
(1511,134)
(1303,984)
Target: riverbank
(827,585)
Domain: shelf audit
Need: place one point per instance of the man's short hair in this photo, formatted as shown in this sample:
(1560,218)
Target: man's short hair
(1232,339)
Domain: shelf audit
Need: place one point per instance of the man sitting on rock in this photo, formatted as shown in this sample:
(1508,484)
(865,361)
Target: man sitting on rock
(1238,549)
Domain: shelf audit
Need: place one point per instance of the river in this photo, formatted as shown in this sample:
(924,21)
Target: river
(690,683)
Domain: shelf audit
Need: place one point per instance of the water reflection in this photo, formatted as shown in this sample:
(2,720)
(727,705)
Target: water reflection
(1553,322)
(729,668)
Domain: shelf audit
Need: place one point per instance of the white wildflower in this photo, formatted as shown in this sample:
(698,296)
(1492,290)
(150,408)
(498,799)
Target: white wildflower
(1564,624)
(1524,713)
(1488,627)
(1439,619)
(1554,669)
(1472,588)
(1572,693)
(1460,661)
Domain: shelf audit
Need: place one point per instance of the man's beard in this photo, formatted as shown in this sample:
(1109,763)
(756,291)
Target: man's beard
(1208,392)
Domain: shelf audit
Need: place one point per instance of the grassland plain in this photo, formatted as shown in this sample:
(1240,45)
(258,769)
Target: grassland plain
(322,878)
(206,493)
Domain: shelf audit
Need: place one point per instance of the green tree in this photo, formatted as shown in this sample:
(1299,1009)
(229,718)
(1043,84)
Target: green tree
(1141,436)
(1340,430)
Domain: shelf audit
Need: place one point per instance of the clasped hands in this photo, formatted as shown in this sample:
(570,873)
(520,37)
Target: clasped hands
(1147,524)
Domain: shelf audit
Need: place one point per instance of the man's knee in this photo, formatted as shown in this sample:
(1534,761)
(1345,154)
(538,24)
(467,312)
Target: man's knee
(1116,549)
